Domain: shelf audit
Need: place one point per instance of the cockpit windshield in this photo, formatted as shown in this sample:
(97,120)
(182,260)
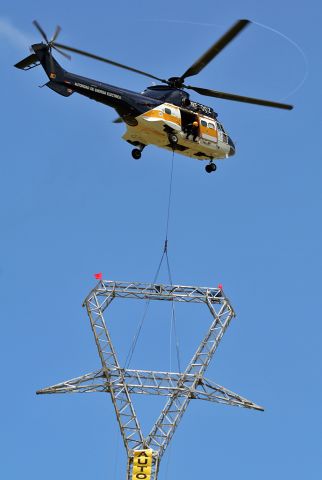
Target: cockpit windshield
(220,127)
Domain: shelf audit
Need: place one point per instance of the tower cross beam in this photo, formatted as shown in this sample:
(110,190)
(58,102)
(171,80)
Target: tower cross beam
(149,291)
(152,383)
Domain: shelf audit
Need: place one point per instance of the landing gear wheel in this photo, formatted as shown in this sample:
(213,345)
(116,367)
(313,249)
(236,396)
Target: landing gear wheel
(136,153)
(211,167)
(173,139)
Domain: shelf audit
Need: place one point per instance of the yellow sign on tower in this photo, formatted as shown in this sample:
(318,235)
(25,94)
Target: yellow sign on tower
(142,464)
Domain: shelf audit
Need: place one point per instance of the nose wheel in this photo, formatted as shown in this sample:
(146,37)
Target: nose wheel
(137,152)
(211,167)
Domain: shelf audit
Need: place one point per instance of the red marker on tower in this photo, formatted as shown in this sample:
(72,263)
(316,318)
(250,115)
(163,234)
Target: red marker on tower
(98,276)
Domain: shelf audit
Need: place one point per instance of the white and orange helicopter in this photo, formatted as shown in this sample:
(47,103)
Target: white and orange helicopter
(162,115)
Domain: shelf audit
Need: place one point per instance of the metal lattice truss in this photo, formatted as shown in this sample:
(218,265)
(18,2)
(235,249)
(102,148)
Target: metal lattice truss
(180,388)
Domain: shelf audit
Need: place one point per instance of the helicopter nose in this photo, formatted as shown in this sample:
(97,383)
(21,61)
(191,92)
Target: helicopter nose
(232,147)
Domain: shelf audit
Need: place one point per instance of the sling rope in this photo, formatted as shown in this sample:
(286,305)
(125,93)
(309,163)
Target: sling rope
(147,304)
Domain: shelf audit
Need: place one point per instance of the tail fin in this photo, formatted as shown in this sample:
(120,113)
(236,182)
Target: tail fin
(28,62)
(54,71)
(43,57)
(52,68)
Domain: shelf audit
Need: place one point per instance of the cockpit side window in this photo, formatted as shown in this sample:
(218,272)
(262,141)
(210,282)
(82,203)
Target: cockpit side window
(203,123)
(211,125)
(167,110)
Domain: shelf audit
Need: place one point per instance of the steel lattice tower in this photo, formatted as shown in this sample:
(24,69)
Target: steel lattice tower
(179,388)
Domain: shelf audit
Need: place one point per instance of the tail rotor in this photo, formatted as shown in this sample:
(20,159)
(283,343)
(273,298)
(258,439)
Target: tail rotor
(50,43)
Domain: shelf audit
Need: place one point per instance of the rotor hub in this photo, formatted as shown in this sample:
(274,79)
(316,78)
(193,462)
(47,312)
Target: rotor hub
(176,82)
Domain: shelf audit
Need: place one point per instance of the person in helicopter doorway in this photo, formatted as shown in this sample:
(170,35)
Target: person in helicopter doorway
(192,129)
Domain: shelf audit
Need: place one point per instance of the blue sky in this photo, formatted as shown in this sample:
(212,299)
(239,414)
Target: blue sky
(74,202)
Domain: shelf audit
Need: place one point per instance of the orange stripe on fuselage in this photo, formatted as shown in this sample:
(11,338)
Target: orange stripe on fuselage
(208,131)
(161,115)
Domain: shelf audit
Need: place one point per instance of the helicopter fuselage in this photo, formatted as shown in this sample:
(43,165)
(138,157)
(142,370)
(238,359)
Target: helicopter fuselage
(157,119)
(160,115)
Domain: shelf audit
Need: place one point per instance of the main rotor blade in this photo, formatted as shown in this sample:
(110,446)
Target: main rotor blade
(216,48)
(56,33)
(40,30)
(239,98)
(62,53)
(106,60)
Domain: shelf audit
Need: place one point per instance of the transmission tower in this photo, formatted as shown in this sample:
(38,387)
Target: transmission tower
(144,453)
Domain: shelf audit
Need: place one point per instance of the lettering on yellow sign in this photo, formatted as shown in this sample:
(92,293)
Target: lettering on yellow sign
(142,464)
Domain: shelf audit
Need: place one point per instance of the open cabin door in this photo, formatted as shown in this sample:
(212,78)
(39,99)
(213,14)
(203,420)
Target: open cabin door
(187,118)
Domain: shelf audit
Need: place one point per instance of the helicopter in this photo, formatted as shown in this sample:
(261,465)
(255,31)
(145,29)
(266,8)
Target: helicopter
(162,115)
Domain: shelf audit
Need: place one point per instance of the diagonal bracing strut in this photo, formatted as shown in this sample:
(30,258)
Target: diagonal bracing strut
(179,388)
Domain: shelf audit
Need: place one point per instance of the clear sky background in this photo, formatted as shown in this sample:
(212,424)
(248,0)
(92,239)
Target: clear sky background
(74,202)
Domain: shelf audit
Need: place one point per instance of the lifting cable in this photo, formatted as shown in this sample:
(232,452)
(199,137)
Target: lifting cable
(173,316)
